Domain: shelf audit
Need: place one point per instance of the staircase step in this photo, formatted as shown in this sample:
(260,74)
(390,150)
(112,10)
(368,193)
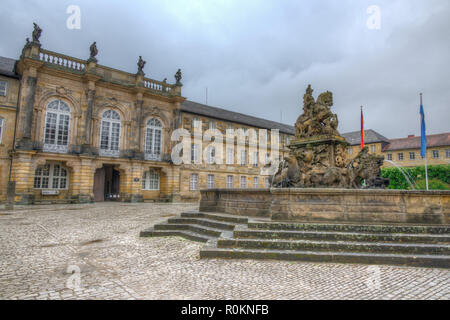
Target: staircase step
(335,246)
(409,229)
(341,236)
(216,216)
(208,231)
(330,257)
(203,222)
(189,235)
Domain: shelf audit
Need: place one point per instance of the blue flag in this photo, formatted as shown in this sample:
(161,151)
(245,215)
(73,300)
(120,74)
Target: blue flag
(423,140)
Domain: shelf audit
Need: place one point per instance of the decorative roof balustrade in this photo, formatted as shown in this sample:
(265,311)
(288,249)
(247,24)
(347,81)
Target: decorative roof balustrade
(62,60)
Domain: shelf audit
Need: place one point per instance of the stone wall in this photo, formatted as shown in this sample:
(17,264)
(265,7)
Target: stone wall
(332,205)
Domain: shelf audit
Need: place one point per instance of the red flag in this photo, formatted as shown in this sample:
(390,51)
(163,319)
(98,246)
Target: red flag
(362,129)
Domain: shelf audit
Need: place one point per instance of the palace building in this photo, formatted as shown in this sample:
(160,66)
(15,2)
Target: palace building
(75,131)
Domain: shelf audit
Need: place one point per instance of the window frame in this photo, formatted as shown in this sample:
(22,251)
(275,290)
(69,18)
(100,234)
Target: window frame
(2,122)
(255,183)
(55,147)
(412,156)
(193,183)
(436,154)
(211,181)
(109,152)
(4,93)
(51,177)
(400,156)
(148,180)
(243,182)
(447,153)
(230,184)
(149,147)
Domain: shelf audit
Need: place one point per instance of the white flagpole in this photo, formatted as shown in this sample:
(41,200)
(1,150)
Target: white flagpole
(426,167)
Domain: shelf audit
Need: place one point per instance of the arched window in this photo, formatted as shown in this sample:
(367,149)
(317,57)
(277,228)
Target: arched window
(1,129)
(150,180)
(153,140)
(110,134)
(57,124)
(51,176)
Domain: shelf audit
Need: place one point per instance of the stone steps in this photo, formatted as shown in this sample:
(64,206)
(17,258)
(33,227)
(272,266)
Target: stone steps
(432,261)
(395,229)
(341,236)
(199,229)
(176,233)
(216,217)
(335,246)
(203,222)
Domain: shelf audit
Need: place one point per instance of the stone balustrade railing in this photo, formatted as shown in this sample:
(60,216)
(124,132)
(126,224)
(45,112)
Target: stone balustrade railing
(158,86)
(62,60)
(78,65)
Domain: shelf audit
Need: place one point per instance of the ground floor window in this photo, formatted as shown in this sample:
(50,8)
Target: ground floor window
(255,182)
(435,154)
(389,156)
(400,157)
(51,176)
(210,181)
(412,156)
(447,153)
(230,182)
(243,182)
(267,181)
(194,182)
(150,180)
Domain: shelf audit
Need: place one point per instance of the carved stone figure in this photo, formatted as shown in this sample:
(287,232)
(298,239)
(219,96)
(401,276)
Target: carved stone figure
(94,52)
(36,33)
(178,77)
(141,64)
(318,156)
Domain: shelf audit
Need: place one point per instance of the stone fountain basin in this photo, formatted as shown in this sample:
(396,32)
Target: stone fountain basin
(332,205)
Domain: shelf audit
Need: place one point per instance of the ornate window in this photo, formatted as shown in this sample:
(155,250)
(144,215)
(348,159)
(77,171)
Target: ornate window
(110,134)
(1,129)
(153,140)
(150,180)
(57,125)
(51,176)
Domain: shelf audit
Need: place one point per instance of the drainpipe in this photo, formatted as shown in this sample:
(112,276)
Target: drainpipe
(11,188)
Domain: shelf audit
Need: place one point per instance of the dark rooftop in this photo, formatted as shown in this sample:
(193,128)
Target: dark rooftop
(436,140)
(371,136)
(218,113)
(7,66)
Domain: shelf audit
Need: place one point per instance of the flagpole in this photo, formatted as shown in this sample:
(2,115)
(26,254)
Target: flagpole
(426,167)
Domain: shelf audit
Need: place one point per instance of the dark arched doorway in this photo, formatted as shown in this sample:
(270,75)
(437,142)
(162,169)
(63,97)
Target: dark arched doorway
(107,184)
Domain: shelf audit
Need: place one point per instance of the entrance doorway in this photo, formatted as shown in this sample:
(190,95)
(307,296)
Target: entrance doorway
(107,184)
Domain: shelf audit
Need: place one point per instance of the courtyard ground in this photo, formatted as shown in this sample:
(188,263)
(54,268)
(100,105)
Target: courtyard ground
(94,252)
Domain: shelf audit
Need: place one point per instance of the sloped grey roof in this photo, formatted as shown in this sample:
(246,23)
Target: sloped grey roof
(371,136)
(7,67)
(435,140)
(218,113)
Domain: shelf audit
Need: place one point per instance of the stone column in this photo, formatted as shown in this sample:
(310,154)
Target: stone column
(88,124)
(29,106)
(23,169)
(138,134)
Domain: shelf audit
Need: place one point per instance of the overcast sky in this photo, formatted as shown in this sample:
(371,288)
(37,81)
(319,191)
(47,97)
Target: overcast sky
(258,56)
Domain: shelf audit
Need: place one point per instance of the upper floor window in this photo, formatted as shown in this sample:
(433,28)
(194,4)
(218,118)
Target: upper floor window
(243,182)
(196,123)
(230,156)
(267,183)
(211,155)
(243,157)
(110,134)
(51,176)
(255,159)
(3,87)
(57,125)
(195,153)
(212,125)
(150,180)
(153,140)
(435,154)
(1,129)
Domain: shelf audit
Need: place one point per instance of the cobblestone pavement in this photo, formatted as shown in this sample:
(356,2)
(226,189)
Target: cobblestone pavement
(94,252)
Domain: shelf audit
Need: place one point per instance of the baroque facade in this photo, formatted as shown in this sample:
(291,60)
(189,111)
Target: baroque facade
(73,130)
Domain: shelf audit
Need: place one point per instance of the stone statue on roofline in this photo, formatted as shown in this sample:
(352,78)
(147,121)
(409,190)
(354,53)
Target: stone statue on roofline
(37,32)
(141,64)
(318,156)
(94,52)
(178,77)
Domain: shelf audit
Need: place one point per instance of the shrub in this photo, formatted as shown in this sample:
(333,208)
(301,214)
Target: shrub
(440,175)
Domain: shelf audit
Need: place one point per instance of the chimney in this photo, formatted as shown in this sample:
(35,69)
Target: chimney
(411,136)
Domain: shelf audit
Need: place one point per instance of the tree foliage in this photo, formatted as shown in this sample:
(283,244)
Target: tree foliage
(436,174)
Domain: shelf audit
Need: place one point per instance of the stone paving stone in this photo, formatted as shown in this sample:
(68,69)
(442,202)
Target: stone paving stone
(38,244)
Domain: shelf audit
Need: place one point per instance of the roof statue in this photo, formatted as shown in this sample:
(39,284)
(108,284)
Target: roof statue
(37,32)
(94,52)
(141,64)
